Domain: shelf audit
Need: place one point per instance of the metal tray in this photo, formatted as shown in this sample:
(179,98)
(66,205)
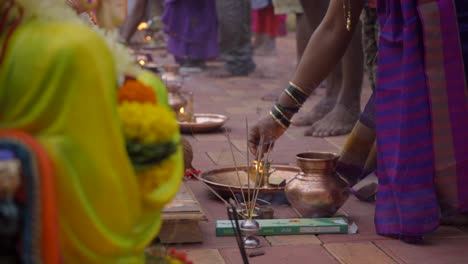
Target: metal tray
(224,180)
(203,123)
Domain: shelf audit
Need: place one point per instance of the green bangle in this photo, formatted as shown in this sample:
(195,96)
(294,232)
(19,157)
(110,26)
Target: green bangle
(280,117)
(278,121)
(297,95)
(290,109)
(297,87)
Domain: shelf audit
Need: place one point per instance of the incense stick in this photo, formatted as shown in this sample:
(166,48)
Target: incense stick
(257,182)
(235,165)
(248,159)
(265,161)
(214,192)
(211,189)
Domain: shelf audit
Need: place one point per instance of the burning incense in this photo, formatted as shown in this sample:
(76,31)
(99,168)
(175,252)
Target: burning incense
(237,169)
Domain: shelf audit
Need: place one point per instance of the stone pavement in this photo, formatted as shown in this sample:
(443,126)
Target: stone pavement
(240,99)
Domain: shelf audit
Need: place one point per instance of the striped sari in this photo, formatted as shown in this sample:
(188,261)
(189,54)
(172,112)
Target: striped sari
(421,115)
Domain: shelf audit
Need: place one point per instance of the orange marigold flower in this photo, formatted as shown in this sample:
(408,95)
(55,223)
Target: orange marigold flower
(133,90)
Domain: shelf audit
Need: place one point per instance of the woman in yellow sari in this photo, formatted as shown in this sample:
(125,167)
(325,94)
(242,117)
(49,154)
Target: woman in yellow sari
(58,83)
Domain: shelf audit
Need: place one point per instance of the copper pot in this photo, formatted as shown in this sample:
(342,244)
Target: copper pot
(317,191)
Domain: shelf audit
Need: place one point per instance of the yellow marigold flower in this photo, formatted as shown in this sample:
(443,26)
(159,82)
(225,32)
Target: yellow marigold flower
(147,123)
(153,177)
(172,260)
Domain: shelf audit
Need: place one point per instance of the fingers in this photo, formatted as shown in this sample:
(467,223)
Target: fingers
(254,139)
(260,141)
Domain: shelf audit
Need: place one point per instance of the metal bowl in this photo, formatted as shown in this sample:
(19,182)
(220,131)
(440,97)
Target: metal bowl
(225,180)
(203,123)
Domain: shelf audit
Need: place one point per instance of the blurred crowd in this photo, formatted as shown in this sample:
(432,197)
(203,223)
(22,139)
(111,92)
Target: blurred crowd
(204,30)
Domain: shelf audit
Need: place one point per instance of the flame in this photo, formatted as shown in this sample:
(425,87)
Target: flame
(141,62)
(258,166)
(142,26)
(148,37)
(182,110)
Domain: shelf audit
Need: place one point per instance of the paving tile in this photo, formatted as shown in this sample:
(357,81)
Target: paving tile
(358,253)
(254,104)
(354,206)
(363,215)
(202,161)
(463,228)
(211,137)
(436,251)
(210,241)
(240,145)
(235,92)
(204,256)
(283,255)
(295,133)
(293,240)
(227,158)
(338,141)
(241,110)
(220,98)
(447,232)
(269,85)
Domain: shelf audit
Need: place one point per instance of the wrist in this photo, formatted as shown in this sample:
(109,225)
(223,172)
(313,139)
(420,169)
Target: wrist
(280,118)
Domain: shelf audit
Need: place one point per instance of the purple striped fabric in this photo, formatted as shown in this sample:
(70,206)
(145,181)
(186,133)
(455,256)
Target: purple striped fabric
(421,117)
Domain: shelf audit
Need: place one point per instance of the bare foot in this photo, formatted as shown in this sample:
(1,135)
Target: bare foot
(318,112)
(339,121)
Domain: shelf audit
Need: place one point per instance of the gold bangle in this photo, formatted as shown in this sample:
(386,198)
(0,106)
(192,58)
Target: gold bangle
(297,87)
(278,121)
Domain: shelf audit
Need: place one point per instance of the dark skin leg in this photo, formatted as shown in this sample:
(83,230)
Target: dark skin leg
(341,119)
(306,23)
(133,19)
(314,12)
(338,111)
(325,48)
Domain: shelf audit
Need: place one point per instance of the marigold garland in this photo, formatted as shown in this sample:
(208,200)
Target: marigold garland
(133,90)
(153,177)
(147,123)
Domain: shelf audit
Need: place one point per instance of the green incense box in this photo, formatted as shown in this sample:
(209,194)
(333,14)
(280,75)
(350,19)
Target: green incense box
(299,226)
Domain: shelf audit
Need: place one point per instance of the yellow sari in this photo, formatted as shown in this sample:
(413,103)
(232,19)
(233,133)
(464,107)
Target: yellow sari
(58,83)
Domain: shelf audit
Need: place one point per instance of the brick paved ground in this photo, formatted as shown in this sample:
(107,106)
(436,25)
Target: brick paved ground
(239,98)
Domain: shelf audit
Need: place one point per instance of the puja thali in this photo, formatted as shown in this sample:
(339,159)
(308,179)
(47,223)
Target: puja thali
(225,180)
(202,123)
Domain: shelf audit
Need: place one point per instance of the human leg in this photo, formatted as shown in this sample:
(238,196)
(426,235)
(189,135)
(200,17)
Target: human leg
(135,16)
(341,119)
(192,30)
(314,12)
(420,107)
(234,19)
(269,30)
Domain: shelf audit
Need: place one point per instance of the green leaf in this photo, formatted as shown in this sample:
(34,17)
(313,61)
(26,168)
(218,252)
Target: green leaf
(147,155)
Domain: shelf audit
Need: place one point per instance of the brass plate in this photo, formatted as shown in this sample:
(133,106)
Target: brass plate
(222,180)
(203,123)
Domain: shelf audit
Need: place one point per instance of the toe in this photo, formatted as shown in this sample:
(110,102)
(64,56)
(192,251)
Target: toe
(310,131)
